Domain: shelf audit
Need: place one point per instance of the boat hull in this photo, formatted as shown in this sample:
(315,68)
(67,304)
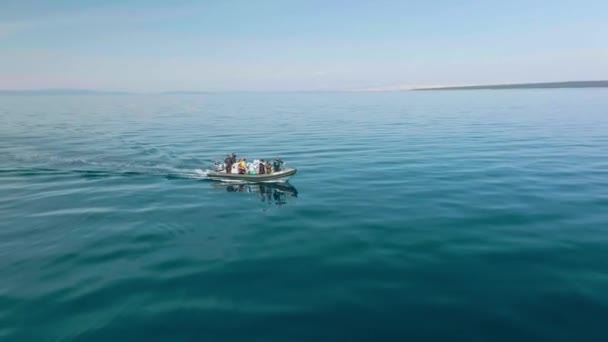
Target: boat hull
(281,175)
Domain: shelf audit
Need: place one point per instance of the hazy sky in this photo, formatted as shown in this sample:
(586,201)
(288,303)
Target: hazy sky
(298,45)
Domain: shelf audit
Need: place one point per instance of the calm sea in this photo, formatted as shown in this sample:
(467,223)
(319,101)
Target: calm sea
(436,216)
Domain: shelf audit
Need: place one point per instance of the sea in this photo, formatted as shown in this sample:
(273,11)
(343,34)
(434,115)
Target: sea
(414,216)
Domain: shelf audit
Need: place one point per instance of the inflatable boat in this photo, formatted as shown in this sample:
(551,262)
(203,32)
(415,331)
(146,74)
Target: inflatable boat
(274,176)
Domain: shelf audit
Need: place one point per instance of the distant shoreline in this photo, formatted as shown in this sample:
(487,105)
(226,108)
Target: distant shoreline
(544,85)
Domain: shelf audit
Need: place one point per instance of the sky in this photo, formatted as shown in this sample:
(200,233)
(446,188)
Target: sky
(307,45)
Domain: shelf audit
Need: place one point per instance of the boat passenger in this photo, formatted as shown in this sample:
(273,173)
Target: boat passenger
(262,167)
(233,157)
(242,166)
(268,167)
(228,163)
(277,164)
(250,168)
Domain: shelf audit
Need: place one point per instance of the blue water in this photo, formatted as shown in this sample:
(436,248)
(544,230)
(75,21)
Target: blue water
(437,216)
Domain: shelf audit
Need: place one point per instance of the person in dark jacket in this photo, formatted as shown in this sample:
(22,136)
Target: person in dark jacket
(262,167)
(228,162)
(233,158)
(277,164)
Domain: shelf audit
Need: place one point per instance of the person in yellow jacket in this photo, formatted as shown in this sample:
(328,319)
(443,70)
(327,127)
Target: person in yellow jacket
(242,166)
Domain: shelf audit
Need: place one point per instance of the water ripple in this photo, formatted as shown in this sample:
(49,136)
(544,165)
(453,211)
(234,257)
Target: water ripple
(425,216)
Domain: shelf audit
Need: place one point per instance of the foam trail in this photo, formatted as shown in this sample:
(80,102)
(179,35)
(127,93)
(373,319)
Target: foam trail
(42,165)
(202,172)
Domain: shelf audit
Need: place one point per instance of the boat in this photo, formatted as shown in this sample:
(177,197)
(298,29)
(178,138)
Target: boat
(251,171)
(274,176)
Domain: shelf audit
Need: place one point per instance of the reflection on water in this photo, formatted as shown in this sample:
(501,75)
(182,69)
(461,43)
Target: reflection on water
(271,193)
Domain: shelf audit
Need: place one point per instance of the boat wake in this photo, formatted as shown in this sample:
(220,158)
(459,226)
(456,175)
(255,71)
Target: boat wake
(201,172)
(38,164)
(49,165)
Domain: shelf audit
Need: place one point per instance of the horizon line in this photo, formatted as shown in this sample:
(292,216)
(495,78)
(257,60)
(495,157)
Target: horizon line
(393,88)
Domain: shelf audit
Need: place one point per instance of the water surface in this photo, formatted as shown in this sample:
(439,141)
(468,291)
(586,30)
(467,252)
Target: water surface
(476,215)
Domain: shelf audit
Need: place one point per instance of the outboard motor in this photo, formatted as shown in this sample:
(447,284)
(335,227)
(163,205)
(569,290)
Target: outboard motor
(218,166)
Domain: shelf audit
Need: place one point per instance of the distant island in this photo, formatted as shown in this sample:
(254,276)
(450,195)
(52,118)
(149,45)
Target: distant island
(545,85)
